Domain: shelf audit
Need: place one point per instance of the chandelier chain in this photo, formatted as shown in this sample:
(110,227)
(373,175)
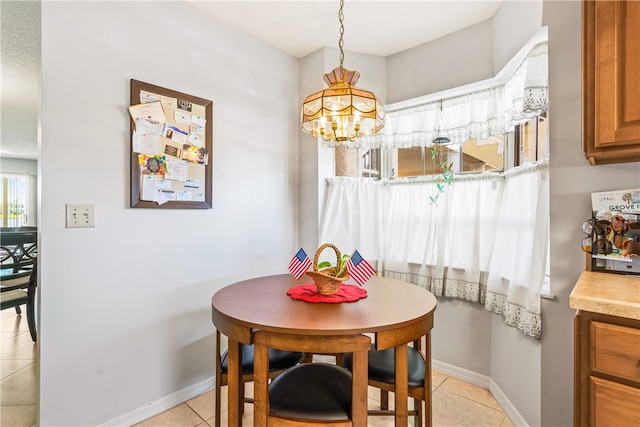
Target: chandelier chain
(341,42)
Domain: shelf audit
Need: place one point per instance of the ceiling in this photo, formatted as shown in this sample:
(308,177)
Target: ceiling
(20,64)
(372,27)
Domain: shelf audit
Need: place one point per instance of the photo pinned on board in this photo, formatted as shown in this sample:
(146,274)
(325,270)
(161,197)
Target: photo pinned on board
(195,154)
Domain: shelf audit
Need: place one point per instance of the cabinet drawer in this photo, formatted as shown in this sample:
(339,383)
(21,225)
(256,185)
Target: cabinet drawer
(615,350)
(613,404)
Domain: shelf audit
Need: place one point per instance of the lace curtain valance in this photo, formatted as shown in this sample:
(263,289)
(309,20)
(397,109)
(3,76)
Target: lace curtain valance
(477,114)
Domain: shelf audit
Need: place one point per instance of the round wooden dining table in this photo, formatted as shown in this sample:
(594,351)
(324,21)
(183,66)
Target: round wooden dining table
(395,312)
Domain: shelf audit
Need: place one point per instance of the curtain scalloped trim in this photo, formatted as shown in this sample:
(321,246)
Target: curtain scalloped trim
(433,285)
(515,315)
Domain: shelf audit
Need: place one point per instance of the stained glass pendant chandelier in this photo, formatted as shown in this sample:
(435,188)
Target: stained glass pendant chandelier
(341,113)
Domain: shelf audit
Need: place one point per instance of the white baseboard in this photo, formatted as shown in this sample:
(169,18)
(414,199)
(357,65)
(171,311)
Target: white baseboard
(509,409)
(463,374)
(164,403)
(485,382)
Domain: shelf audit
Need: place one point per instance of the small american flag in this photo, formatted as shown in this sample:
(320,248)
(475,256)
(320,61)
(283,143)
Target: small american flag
(299,264)
(359,268)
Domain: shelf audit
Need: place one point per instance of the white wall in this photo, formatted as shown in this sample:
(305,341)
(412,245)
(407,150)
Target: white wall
(311,69)
(18,166)
(125,315)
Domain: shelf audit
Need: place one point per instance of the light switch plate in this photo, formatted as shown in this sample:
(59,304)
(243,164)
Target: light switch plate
(81,216)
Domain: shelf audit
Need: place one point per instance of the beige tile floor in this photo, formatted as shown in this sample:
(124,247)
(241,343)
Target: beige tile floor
(455,403)
(17,371)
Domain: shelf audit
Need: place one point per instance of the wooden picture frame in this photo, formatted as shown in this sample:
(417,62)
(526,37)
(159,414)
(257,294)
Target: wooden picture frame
(196,192)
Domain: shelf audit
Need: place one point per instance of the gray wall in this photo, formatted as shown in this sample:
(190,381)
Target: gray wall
(513,22)
(125,314)
(572,180)
(462,332)
(463,57)
(318,163)
(465,334)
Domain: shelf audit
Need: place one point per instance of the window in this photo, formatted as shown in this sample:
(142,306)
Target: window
(529,142)
(475,155)
(370,163)
(532,140)
(15,200)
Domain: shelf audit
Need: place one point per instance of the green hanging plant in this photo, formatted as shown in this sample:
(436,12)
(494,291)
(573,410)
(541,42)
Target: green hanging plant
(446,171)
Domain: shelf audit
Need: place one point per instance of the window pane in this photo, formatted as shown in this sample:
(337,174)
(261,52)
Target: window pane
(370,163)
(532,140)
(14,201)
(529,141)
(410,161)
(479,155)
(543,137)
(472,156)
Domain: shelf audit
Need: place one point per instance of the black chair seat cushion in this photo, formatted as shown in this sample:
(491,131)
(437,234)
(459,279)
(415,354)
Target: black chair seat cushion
(278,359)
(382,366)
(312,391)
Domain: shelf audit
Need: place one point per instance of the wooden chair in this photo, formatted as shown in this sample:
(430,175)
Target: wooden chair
(279,360)
(18,274)
(311,394)
(381,375)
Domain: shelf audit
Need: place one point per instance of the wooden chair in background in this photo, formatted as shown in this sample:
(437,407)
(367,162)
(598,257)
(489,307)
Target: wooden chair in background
(279,360)
(18,274)
(382,373)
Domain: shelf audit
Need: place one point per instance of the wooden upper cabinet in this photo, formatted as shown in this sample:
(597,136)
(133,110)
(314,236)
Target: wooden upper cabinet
(611,81)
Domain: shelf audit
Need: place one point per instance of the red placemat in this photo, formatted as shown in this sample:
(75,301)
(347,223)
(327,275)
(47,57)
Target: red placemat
(309,293)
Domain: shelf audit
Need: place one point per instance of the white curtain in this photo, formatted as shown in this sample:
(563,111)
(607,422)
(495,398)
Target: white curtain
(484,242)
(518,261)
(478,113)
(526,93)
(352,217)
(445,247)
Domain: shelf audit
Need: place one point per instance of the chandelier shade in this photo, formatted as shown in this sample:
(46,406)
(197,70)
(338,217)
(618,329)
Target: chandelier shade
(342,113)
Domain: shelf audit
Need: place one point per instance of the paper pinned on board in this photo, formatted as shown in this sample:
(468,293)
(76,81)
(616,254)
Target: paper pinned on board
(152,111)
(146,137)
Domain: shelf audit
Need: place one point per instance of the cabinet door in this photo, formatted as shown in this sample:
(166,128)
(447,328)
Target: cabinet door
(613,404)
(611,84)
(615,350)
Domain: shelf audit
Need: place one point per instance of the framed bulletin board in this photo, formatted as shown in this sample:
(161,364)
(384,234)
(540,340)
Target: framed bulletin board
(171,149)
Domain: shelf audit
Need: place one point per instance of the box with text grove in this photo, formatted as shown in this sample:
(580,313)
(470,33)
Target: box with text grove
(623,201)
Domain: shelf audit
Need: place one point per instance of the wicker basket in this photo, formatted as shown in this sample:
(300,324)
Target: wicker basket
(326,283)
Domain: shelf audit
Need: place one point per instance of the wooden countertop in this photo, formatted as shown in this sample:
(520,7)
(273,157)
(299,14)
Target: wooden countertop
(607,293)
